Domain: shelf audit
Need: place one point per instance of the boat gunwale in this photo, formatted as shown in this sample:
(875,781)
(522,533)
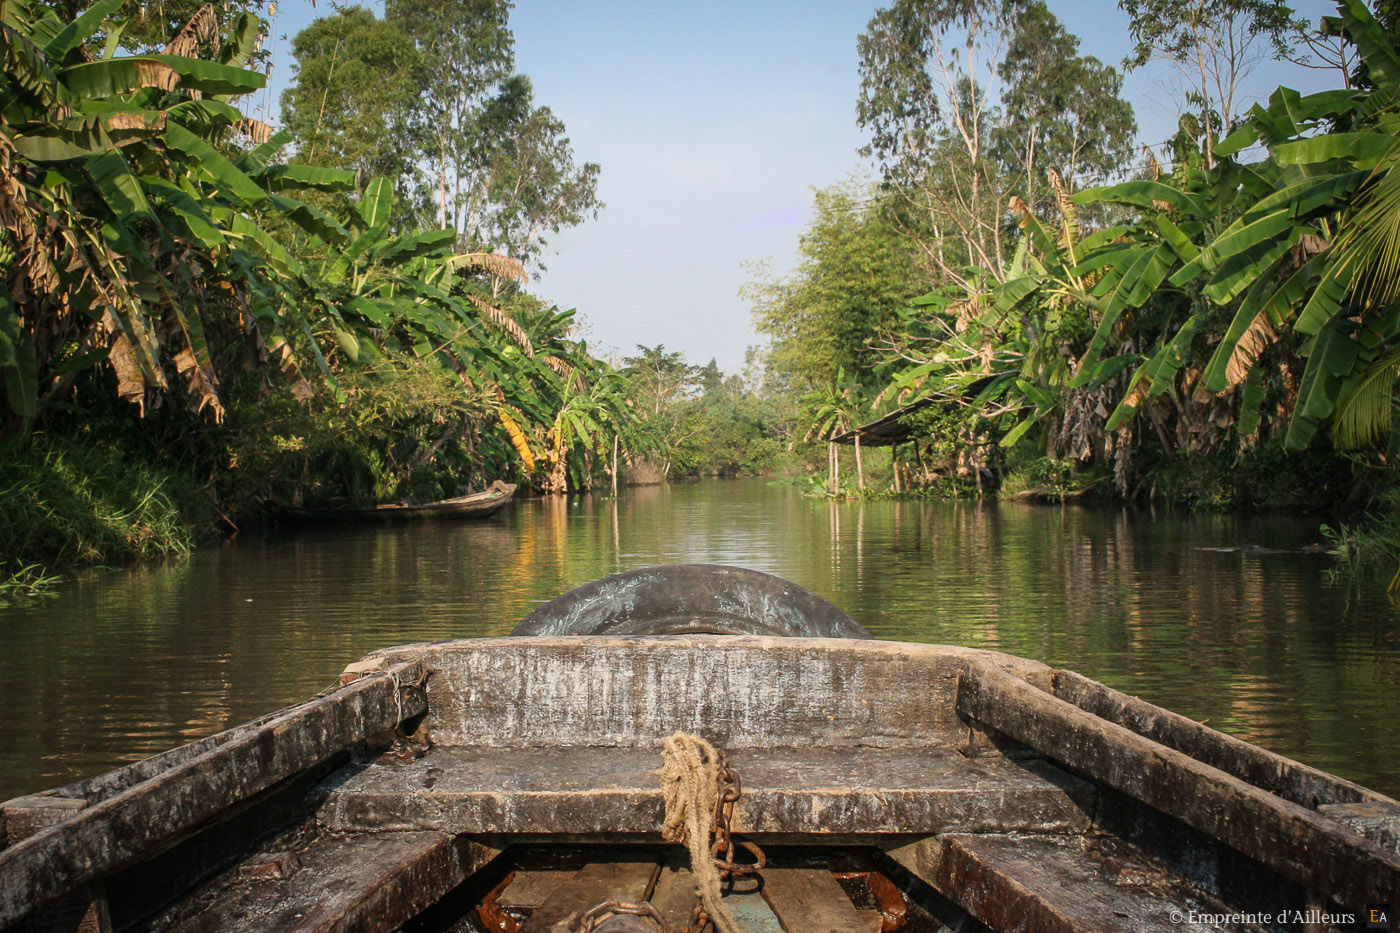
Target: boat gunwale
(1116,755)
(473,505)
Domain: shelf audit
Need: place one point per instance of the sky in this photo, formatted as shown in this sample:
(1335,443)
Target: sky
(713,121)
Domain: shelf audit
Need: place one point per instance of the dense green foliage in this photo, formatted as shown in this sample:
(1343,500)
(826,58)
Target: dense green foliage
(199,327)
(854,275)
(1224,332)
(183,310)
(693,421)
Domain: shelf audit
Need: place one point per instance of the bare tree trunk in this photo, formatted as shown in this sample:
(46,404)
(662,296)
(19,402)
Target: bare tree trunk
(860,469)
(442,181)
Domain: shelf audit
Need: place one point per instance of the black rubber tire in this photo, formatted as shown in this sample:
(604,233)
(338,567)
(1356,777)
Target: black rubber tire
(678,599)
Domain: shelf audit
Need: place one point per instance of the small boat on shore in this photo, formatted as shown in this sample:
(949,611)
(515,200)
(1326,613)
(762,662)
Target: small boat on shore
(525,783)
(476,505)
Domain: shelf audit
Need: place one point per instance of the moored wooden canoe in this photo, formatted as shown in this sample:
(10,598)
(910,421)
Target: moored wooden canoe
(476,505)
(481,783)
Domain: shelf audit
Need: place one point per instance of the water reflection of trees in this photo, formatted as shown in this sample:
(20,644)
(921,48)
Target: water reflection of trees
(123,664)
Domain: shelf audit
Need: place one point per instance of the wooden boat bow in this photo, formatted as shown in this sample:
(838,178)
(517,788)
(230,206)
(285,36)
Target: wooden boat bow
(1006,791)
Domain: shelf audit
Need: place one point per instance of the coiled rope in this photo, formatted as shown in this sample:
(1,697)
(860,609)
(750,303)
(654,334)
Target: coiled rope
(690,785)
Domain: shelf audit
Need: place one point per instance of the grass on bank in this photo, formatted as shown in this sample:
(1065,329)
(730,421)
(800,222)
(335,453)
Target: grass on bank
(66,503)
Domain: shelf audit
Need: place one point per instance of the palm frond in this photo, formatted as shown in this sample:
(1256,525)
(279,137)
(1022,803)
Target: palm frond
(495,264)
(1368,243)
(202,29)
(1363,414)
(494,315)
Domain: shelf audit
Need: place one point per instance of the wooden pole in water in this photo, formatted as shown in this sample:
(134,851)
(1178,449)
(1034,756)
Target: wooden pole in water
(614,469)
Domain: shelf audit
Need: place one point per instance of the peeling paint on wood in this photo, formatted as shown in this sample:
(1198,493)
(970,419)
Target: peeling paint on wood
(738,691)
(1058,884)
(373,882)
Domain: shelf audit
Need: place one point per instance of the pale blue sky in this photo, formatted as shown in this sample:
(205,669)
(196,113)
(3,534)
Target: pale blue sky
(712,122)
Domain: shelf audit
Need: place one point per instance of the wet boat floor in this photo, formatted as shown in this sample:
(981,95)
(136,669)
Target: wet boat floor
(549,889)
(473,839)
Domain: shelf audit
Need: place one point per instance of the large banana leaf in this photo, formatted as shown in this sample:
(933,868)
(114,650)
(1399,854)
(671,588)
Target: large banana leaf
(118,186)
(1332,359)
(292,177)
(78,31)
(1140,194)
(212,164)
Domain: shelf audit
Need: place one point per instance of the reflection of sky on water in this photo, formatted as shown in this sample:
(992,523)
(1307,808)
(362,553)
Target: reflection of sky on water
(123,664)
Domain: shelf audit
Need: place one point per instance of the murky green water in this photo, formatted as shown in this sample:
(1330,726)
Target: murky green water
(123,664)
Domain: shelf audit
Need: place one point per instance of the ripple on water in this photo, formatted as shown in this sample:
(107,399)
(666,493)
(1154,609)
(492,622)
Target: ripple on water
(123,664)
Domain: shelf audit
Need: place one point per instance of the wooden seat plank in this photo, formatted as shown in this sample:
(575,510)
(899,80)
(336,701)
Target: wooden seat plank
(809,900)
(828,790)
(674,897)
(363,883)
(530,889)
(1060,884)
(597,882)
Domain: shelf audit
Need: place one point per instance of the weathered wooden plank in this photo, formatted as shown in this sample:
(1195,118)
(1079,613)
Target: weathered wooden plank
(804,790)
(530,888)
(82,910)
(1377,820)
(594,884)
(808,900)
(143,819)
(738,691)
(1058,884)
(1291,780)
(22,817)
(369,883)
(674,897)
(1293,840)
(147,886)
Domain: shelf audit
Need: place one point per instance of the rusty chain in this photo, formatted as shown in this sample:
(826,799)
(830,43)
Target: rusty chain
(600,913)
(724,846)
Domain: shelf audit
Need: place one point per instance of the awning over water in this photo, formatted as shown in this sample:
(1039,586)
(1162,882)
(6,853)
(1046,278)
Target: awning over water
(883,432)
(887,430)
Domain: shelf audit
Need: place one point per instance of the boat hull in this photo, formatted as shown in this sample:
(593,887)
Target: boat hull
(478,505)
(514,784)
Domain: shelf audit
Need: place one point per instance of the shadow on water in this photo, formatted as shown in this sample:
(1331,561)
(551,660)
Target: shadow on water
(126,663)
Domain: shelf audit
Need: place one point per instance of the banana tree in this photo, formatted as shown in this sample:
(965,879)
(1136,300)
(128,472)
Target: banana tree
(134,239)
(829,410)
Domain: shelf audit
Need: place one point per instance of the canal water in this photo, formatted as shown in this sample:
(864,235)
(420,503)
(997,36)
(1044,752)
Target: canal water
(124,663)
